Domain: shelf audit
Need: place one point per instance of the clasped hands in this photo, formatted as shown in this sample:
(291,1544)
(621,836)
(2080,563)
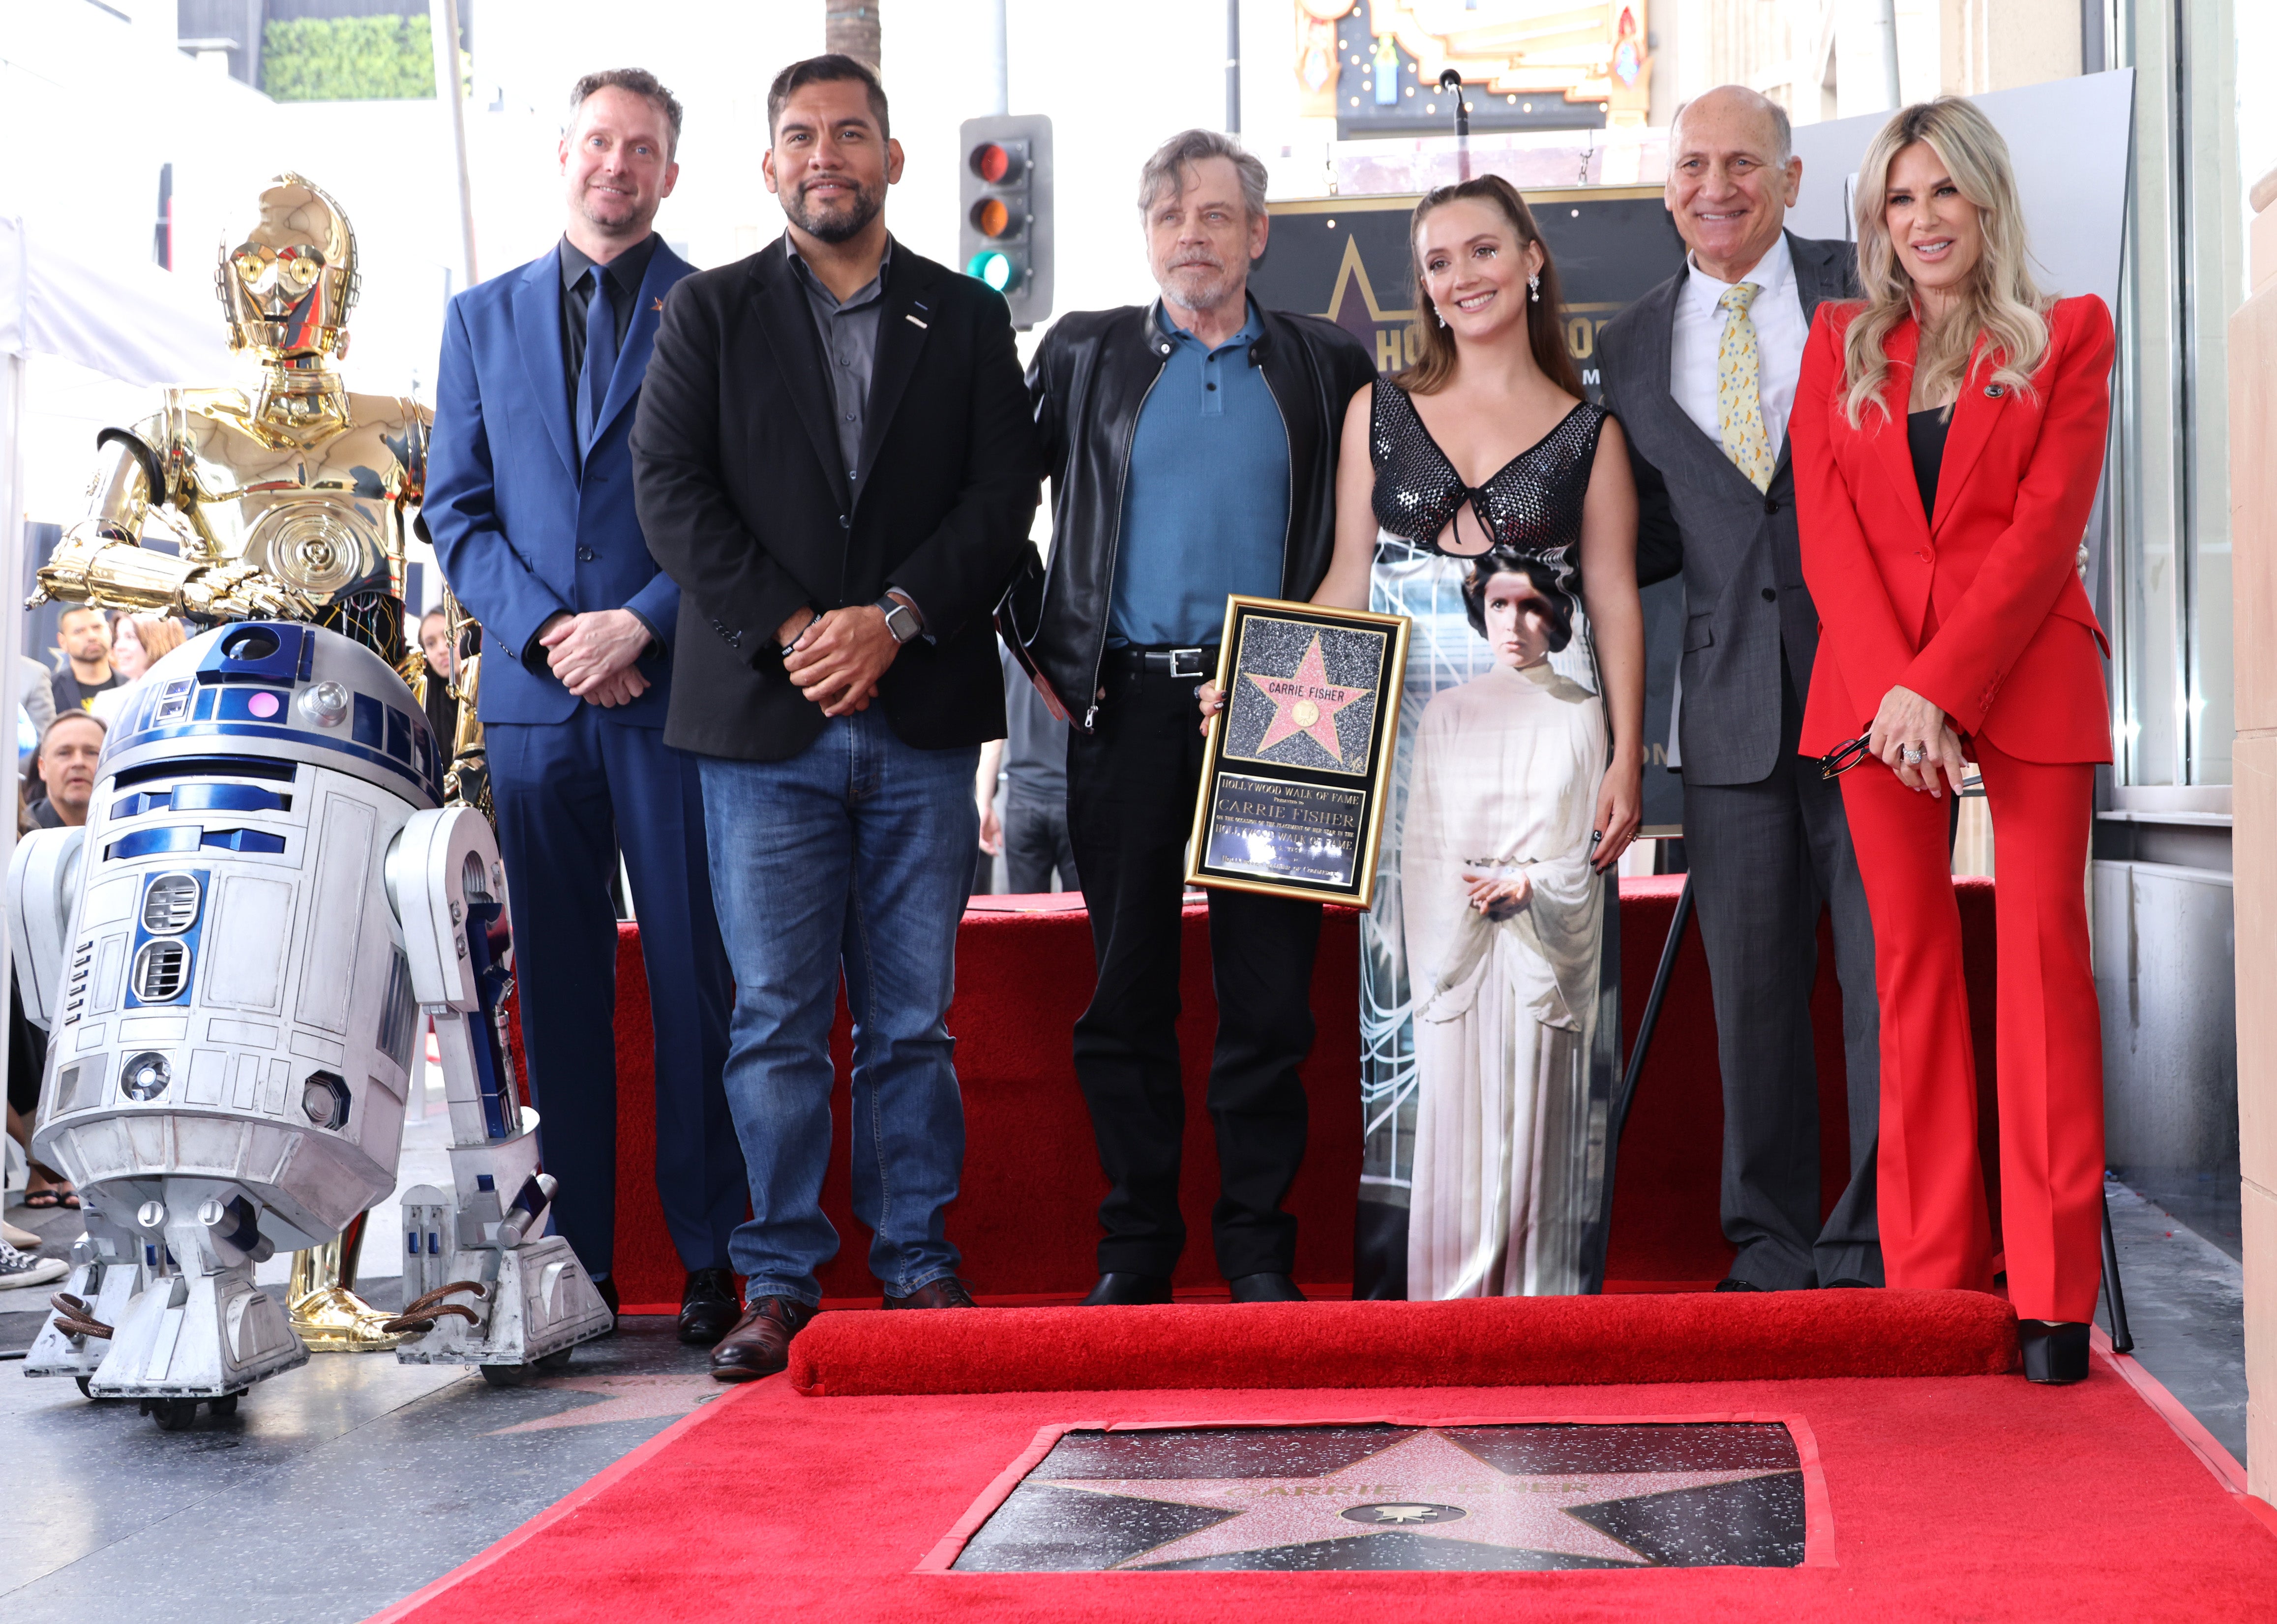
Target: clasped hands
(836,657)
(596,654)
(1907,721)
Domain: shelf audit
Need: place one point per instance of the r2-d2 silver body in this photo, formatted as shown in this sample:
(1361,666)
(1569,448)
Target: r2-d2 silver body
(233,960)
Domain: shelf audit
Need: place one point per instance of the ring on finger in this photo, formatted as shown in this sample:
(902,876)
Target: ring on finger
(1914,755)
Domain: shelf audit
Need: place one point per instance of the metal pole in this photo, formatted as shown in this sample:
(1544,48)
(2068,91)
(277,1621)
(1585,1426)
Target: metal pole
(442,18)
(2122,1340)
(1233,68)
(999,60)
(1658,996)
(1451,81)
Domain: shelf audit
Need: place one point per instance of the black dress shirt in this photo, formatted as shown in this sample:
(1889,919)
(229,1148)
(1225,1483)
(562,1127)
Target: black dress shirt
(849,332)
(622,276)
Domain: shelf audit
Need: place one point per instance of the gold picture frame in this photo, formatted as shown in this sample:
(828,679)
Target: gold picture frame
(1298,761)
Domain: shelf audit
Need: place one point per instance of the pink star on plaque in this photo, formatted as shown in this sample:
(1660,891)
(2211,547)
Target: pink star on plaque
(1305,701)
(1427,1483)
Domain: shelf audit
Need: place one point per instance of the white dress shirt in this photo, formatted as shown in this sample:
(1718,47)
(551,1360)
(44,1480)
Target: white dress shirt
(1780,333)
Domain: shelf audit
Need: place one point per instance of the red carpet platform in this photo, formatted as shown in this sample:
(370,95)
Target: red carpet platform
(1514,1341)
(1026,1218)
(1949,1496)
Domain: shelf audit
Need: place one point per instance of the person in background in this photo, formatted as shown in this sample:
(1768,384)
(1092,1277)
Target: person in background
(442,666)
(63,767)
(529,500)
(1191,444)
(1030,762)
(36,694)
(1701,371)
(139,641)
(1948,438)
(83,635)
(838,556)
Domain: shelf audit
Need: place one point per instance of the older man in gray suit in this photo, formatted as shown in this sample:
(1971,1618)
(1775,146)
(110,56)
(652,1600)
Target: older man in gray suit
(1701,372)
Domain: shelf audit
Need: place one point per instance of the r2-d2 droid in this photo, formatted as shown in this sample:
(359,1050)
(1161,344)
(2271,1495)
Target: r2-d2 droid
(231,959)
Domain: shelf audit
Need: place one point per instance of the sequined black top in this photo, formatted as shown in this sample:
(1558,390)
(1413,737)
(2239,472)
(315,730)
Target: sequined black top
(1533,502)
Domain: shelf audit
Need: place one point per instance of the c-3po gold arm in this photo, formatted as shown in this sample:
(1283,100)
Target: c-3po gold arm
(103,562)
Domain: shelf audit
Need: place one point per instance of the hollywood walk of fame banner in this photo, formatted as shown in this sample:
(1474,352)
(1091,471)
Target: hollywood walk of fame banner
(1291,800)
(1345,258)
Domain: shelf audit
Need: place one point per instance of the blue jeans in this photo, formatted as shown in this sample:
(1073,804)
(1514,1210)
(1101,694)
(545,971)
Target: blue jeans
(855,854)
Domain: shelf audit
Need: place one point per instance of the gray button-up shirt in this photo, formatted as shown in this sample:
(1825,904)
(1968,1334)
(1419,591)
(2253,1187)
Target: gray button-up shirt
(849,332)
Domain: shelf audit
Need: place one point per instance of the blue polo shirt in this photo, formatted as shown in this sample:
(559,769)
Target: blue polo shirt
(1206,506)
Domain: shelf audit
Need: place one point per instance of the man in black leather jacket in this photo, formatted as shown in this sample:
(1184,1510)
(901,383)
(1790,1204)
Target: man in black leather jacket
(1191,447)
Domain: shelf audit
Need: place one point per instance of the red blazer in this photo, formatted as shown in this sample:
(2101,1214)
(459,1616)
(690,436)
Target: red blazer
(2015,652)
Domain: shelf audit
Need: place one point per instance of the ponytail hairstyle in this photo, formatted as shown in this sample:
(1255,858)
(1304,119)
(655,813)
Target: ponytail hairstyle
(1999,303)
(1434,360)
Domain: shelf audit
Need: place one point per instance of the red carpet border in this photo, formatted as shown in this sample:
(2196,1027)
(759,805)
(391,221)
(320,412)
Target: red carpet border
(1510,1341)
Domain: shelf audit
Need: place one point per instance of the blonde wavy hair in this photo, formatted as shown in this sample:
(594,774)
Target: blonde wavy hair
(1999,302)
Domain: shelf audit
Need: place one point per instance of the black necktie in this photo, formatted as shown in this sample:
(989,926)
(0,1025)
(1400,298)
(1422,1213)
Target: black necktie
(600,359)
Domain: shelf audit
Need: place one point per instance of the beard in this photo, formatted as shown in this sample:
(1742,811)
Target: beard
(1197,286)
(837,224)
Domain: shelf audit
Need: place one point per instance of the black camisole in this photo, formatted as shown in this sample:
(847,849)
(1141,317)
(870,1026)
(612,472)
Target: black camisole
(1925,438)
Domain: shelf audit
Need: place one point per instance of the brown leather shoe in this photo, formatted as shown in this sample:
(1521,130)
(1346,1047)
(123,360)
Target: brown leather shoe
(946,1292)
(760,1344)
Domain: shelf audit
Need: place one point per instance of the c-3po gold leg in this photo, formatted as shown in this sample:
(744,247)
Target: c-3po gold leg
(327,1315)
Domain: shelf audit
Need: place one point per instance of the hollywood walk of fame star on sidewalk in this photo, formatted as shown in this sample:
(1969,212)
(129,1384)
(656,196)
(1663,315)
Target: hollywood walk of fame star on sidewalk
(1305,701)
(1410,1485)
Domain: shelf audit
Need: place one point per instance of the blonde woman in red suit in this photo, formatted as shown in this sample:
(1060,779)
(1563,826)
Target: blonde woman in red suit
(1948,431)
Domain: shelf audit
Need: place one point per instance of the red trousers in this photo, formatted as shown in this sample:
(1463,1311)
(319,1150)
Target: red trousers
(1935,1229)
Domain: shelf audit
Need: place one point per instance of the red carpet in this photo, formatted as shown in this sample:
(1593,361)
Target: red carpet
(1513,1341)
(1948,1497)
(1026,1220)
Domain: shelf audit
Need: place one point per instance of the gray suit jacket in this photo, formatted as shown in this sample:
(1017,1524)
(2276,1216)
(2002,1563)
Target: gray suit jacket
(1744,600)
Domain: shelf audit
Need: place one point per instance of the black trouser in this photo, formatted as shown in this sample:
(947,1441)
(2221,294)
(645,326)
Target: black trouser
(1036,844)
(1131,805)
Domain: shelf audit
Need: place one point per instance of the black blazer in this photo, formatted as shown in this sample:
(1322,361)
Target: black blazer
(743,495)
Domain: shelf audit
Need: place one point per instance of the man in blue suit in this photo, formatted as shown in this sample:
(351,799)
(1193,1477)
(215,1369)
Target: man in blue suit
(529,501)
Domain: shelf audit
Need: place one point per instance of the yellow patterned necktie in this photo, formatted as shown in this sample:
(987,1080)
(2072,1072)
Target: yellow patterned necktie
(1739,389)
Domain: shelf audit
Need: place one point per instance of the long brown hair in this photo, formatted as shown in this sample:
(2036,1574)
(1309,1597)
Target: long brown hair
(1435,351)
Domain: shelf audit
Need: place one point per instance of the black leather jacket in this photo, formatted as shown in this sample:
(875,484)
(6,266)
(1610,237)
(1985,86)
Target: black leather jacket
(1090,377)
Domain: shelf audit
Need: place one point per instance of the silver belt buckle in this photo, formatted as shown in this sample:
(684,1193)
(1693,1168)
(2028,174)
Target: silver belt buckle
(1187,662)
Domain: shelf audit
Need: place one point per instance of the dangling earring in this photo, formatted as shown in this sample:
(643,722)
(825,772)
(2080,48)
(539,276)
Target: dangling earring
(1442,318)
(1533,285)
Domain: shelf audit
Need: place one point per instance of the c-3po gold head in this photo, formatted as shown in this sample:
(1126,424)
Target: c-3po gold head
(289,280)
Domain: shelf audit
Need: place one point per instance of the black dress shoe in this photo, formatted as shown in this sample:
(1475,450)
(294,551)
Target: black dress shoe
(1846,1284)
(708,1309)
(1128,1290)
(1265,1288)
(2055,1351)
(1733,1283)
(947,1293)
(608,1291)
(760,1343)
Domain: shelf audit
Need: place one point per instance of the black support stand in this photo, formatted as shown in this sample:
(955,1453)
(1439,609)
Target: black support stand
(2122,1340)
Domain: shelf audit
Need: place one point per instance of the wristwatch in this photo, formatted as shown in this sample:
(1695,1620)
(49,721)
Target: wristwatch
(900,620)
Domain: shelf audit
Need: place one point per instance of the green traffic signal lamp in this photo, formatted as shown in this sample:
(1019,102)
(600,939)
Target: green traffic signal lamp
(995,267)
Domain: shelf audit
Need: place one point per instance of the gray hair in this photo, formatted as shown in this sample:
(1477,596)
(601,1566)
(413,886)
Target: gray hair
(642,83)
(1166,169)
(1782,126)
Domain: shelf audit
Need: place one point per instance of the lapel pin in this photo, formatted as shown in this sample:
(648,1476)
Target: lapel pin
(1994,392)
(914,322)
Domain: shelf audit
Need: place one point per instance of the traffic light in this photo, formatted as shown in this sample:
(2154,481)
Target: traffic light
(1004,192)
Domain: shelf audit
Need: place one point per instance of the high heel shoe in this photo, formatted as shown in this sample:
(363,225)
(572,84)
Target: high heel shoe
(2055,1351)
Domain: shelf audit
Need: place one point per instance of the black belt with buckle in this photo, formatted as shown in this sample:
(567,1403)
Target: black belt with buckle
(1192,664)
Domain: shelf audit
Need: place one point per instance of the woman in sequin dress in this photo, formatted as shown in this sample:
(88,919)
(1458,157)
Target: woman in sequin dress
(1490,975)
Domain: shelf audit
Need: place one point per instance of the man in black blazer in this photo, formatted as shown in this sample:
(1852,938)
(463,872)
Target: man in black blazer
(1765,835)
(835,460)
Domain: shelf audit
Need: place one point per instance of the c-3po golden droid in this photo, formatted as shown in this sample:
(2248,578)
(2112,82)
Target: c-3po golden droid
(233,957)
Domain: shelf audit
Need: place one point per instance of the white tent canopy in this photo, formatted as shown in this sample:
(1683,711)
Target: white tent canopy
(133,322)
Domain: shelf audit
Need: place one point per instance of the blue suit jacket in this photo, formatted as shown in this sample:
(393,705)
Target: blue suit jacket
(523,531)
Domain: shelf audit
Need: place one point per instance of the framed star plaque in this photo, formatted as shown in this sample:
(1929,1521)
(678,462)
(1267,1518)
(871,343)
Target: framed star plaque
(1297,766)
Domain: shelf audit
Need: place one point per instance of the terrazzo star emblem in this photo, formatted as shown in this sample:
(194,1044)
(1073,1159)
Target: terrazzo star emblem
(1426,1482)
(1305,701)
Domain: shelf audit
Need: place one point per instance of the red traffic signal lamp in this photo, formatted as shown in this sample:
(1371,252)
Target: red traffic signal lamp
(1005,234)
